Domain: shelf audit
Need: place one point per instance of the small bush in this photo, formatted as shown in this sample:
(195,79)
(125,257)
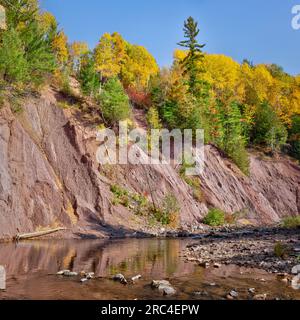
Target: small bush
(281,250)
(215,218)
(168,212)
(291,222)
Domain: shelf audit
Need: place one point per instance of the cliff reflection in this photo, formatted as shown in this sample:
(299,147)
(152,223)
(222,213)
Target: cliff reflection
(151,257)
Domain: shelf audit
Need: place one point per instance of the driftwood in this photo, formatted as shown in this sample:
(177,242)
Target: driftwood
(38,234)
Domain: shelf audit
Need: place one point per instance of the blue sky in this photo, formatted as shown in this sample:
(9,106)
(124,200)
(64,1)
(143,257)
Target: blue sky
(254,29)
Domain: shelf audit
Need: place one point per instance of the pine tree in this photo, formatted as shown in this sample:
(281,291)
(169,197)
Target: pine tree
(13,64)
(190,63)
(88,77)
(114,102)
(38,52)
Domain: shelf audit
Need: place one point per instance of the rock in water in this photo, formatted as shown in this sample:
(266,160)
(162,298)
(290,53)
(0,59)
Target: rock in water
(2,278)
(296,270)
(138,277)
(296,282)
(163,286)
(119,277)
(157,283)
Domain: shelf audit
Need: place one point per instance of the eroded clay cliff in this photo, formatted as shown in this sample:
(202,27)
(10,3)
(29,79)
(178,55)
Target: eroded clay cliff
(49,177)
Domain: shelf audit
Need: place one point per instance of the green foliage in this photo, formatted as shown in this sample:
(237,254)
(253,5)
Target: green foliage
(228,134)
(89,79)
(167,213)
(281,250)
(13,65)
(121,196)
(153,119)
(291,222)
(215,218)
(268,130)
(114,102)
(190,63)
(26,55)
(294,137)
(38,53)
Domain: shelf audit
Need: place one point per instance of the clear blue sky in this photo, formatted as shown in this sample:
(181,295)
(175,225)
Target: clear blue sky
(259,30)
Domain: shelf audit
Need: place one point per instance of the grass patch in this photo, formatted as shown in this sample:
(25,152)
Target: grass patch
(167,213)
(193,182)
(215,218)
(291,222)
(281,250)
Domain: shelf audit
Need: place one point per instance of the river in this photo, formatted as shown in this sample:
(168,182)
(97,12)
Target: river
(31,269)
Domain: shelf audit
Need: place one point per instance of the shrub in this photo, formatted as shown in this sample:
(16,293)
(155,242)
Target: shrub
(215,218)
(281,250)
(114,102)
(167,213)
(139,99)
(291,222)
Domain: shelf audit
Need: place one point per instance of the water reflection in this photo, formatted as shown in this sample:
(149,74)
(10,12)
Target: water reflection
(31,269)
(147,256)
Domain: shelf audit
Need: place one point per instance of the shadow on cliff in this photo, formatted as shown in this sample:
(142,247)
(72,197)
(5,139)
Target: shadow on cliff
(99,229)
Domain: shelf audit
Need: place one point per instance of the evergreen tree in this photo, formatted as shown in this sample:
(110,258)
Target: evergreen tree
(88,77)
(191,61)
(13,64)
(268,129)
(38,52)
(114,102)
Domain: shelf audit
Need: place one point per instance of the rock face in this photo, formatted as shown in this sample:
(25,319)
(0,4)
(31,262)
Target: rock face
(270,193)
(49,177)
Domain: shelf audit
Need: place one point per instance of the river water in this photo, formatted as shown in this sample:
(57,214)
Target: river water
(31,269)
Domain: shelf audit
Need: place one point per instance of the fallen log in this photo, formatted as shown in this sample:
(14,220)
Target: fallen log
(37,234)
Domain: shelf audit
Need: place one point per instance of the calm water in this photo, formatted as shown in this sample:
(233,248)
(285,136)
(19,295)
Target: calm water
(31,268)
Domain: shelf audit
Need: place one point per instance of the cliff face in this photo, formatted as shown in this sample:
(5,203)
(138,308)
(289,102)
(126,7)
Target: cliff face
(49,177)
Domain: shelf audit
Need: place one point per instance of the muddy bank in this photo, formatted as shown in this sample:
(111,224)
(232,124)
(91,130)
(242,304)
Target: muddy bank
(251,248)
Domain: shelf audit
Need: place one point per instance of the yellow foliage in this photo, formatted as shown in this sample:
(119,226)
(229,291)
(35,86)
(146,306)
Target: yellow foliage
(78,49)
(60,46)
(139,67)
(110,55)
(47,21)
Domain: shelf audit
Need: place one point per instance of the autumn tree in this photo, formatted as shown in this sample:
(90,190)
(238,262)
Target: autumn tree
(140,66)
(110,55)
(190,62)
(77,51)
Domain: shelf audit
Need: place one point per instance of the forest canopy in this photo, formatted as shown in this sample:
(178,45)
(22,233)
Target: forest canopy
(239,105)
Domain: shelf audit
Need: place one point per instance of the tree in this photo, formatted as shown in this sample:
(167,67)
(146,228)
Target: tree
(38,53)
(268,129)
(114,102)
(88,77)
(20,12)
(190,63)
(13,64)
(140,66)
(60,47)
(29,55)
(77,51)
(110,55)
